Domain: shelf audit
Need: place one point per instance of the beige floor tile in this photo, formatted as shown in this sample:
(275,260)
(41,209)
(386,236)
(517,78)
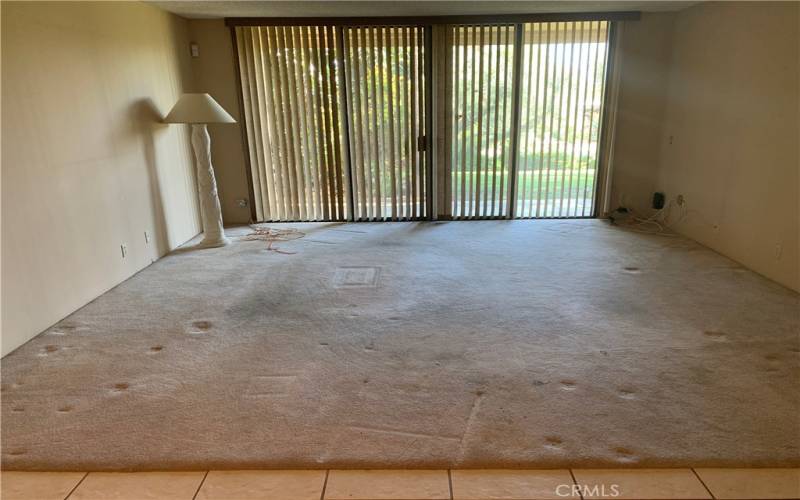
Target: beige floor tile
(252,485)
(512,484)
(38,485)
(387,485)
(138,486)
(640,484)
(752,483)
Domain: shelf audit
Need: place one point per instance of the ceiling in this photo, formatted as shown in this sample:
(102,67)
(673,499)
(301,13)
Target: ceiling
(205,9)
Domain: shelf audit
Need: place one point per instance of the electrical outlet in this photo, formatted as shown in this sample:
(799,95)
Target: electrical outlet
(242,203)
(146,237)
(124,249)
(680,200)
(778,251)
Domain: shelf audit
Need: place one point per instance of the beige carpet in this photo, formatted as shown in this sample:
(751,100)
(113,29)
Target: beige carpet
(463,344)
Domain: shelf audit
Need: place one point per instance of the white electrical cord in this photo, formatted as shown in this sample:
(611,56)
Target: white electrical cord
(659,221)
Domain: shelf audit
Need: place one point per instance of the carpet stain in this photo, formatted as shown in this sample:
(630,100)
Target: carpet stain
(627,394)
(631,270)
(48,349)
(568,385)
(625,455)
(65,409)
(65,329)
(156,348)
(201,326)
(553,443)
(716,335)
(122,386)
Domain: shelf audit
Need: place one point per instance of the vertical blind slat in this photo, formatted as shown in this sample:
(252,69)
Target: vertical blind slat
(506,82)
(382,193)
(496,108)
(414,129)
(322,111)
(403,137)
(392,163)
(478,148)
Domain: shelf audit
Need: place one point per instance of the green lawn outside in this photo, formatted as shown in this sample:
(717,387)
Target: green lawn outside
(528,184)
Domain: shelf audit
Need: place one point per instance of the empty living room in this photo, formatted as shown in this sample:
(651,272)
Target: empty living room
(400,250)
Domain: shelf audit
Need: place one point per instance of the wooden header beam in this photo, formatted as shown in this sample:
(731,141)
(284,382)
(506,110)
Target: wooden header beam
(429,20)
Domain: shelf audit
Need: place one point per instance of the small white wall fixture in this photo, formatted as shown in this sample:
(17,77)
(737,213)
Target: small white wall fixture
(200,110)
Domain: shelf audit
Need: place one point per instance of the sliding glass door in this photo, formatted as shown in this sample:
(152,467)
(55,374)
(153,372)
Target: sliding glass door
(524,133)
(385,82)
(481,91)
(335,120)
(338,119)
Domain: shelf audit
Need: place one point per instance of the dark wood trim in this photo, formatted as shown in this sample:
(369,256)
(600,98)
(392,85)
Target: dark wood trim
(427,35)
(516,97)
(429,20)
(243,127)
(341,40)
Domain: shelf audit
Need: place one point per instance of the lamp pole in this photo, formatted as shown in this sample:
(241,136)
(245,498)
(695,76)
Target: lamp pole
(210,211)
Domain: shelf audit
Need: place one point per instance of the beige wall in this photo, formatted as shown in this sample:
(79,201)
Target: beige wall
(645,52)
(732,113)
(215,73)
(85,166)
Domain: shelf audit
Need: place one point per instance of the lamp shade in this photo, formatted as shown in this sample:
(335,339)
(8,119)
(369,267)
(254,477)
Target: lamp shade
(198,108)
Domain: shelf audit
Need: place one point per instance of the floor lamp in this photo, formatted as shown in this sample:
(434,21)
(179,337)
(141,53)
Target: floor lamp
(200,110)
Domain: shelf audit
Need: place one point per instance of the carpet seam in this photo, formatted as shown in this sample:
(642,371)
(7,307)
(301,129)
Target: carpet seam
(75,487)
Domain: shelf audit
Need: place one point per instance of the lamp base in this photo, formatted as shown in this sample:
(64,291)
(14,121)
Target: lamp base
(214,242)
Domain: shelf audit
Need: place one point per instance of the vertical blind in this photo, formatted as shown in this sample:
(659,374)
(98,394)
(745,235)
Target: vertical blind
(290,94)
(480,134)
(336,120)
(385,79)
(562,69)
(563,77)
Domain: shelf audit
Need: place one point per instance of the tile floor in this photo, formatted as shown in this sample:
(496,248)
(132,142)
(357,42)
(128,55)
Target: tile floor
(641,484)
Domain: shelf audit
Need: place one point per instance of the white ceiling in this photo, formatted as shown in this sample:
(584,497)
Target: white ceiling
(204,9)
